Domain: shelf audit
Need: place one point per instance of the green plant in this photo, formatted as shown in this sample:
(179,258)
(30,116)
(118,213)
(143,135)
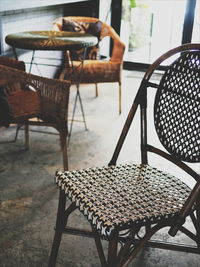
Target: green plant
(133,3)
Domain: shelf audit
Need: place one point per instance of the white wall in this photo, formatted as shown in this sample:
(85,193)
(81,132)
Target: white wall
(7,5)
(105,16)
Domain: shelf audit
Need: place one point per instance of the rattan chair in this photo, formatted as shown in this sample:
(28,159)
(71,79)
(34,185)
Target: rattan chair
(127,204)
(30,96)
(95,70)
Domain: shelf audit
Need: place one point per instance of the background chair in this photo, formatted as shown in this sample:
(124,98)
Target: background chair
(95,70)
(29,96)
(127,204)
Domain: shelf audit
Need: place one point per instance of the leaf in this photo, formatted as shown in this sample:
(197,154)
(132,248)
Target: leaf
(133,3)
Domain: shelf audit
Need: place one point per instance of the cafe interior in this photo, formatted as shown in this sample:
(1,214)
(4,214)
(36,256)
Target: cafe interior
(99,133)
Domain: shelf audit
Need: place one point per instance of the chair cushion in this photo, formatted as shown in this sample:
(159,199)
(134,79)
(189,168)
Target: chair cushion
(119,197)
(24,104)
(93,28)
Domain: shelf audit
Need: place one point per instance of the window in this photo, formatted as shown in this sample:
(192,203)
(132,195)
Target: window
(151,27)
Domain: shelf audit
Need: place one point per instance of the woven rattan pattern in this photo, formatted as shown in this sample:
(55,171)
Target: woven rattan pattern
(116,197)
(177,108)
(53,94)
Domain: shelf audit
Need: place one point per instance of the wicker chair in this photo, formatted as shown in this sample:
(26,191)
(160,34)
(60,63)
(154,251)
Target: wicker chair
(127,204)
(95,70)
(30,96)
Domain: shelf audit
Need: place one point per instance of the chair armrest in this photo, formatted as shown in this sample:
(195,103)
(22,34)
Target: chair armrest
(53,94)
(13,63)
(118,46)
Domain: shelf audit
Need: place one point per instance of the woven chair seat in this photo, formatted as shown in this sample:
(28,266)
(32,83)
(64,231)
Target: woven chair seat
(96,70)
(119,197)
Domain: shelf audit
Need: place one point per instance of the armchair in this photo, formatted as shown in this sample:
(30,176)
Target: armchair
(95,70)
(29,96)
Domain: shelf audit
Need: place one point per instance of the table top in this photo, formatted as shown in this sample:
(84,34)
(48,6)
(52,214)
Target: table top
(51,40)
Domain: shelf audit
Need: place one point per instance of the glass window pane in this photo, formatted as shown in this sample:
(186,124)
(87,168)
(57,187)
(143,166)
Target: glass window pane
(151,28)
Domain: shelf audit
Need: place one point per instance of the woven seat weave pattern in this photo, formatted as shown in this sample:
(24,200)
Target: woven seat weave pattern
(118,197)
(177,108)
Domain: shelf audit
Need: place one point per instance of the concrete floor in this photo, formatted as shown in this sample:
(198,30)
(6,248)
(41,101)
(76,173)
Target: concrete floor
(29,196)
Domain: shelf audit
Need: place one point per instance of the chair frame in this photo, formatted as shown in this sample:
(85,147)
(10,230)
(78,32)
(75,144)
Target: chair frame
(13,71)
(128,252)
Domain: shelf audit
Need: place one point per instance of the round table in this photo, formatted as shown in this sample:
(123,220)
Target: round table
(53,40)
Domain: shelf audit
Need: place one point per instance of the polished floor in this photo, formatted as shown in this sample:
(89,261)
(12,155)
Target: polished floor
(29,196)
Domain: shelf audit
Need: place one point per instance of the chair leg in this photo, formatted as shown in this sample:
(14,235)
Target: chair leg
(17,131)
(120,98)
(54,249)
(63,144)
(198,223)
(15,138)
(96,90)
(112,251)
(26,131)
(99,248)
(60,223)
(62,75)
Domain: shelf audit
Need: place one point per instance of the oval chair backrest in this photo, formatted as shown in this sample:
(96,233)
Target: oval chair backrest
(177,107)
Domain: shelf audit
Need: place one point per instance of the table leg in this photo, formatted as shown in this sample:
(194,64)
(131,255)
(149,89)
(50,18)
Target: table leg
(77,80)
(32,59)
(35,63)
(18,126)
(14,52)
